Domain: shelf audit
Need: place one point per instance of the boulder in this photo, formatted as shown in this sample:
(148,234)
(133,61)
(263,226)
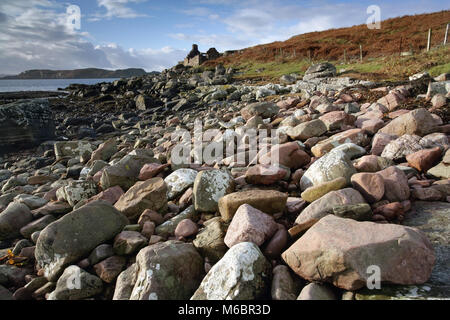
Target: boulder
(129,242)
(316,291)
(210,240)
(424,160)
(417,122)
(335,120)
(283,285)
(125,283)
(289,155)
(169,227)
(250,225)
(77,191)
(186,228)
(402,147)
(242,274)
(356,136)
(269,201)
(306,130)
(72,149)
(12,219)
(265,174)
(331,166)
(109,269)
(209,187)
(179,181)
(313,193)
(321,70)
(125,173)
(395,184)
(105,151)
(380,141)
(323,206)
(76,284)
(341,251)
(262,109)
(370,185)
(150,194)
(75,235)
(171,270)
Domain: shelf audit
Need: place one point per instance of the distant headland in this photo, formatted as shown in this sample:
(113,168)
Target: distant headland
(89,73)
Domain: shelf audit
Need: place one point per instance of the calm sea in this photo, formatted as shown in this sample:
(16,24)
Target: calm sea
(44,85)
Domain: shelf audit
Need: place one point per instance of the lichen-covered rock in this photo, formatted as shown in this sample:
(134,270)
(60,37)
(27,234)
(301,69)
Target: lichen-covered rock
(263,109)
(178,181)
(171,270)
(72,149)
(76,191)
(26,122)
(209,187)
(210,240)
(169,227)
(125,173)
(331,166)
(321,70)
(76,284)
(75,235)
(242,274)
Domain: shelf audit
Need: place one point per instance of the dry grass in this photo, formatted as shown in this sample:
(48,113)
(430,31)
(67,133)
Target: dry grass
(381,50)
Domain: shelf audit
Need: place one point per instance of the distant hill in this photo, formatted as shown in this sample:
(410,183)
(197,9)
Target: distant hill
(397,34)
(89,73)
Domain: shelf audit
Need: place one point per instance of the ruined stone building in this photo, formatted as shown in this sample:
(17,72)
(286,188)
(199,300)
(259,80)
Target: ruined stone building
(196,58)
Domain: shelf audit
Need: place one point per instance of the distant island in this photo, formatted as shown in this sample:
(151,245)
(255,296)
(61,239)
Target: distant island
(89,73)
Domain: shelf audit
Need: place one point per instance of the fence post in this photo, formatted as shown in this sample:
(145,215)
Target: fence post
(360,53)
(429,40)
(446,34)
(345,56)
(401,39)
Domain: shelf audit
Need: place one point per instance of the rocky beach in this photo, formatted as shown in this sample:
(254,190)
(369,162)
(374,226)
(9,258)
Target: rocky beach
(355,205)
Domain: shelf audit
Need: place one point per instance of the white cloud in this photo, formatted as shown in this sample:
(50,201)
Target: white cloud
(220,42)
(197,11)
(149,59)
(34,35)
(117,9)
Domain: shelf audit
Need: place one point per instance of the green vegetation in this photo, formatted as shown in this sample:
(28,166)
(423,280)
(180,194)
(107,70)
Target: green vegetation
(439,69)
(274,69)
(391,67)
(367,67)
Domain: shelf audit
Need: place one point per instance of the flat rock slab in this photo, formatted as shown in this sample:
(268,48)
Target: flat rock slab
(433,218)
(26,122)
(342,251)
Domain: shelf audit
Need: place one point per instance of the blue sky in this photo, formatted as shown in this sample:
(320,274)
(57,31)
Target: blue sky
(154,35)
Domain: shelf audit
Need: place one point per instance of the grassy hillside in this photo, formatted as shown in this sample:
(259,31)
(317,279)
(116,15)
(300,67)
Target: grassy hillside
(381,50)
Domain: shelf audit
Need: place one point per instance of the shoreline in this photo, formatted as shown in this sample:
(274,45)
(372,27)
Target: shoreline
(6,97)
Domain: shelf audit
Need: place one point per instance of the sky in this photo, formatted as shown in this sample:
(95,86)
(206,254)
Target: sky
(155,35)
